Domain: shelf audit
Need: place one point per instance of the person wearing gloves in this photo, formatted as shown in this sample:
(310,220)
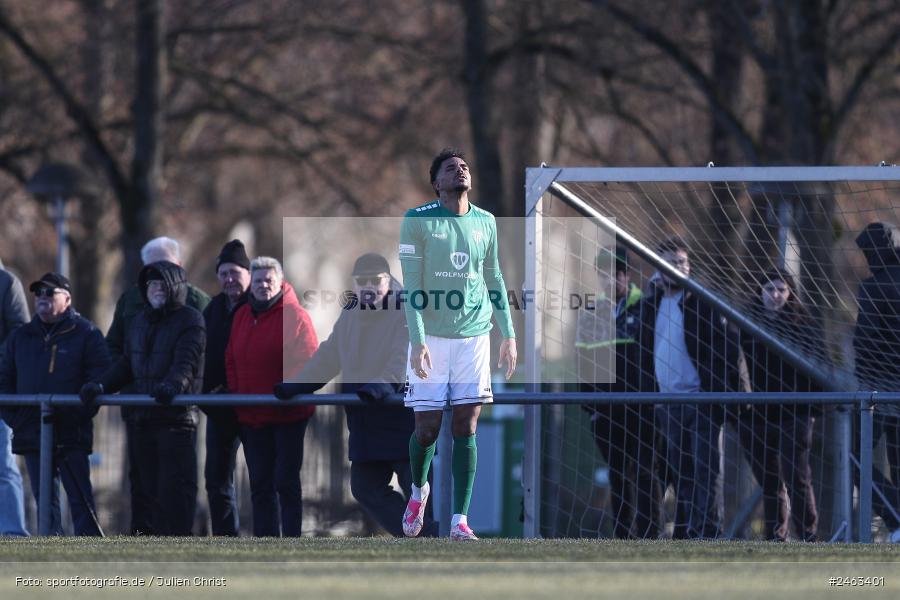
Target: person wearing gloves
(163,357)
(368,348)
(130,304)
(55,353)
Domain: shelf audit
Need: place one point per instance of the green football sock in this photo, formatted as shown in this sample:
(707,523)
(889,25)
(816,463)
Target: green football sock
(465,458)
(419,460)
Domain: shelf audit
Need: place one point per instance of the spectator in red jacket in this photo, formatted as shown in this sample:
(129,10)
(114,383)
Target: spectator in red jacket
(271,334)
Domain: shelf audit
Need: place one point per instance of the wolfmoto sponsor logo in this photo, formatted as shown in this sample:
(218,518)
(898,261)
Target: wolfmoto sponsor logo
(439,235)
(459,260)
(456,274)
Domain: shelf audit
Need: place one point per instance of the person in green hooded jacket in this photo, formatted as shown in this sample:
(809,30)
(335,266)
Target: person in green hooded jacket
(624,433)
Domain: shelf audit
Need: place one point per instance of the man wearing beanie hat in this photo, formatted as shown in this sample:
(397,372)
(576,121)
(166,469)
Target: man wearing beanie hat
(222,429)
(233,252)
(877,345)
(367,347)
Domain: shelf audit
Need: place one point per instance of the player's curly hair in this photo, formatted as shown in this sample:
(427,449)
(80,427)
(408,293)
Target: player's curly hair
(440,158)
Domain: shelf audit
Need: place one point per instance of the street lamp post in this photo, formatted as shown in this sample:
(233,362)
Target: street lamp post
(62,235)
(55,183)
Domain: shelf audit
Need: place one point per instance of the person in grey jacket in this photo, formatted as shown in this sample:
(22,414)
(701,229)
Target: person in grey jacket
(13,313)
(368,347)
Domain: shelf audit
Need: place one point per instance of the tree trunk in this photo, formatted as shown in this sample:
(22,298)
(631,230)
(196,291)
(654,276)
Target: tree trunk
(530,131)
(797,133)
(727,73)
(92,243)
(139,208)
(485,132)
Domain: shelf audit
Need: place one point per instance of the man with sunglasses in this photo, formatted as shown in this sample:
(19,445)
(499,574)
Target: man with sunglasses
(368,348)
(56,353)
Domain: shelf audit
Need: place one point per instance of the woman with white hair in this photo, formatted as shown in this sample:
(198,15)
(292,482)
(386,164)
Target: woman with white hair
(271,334)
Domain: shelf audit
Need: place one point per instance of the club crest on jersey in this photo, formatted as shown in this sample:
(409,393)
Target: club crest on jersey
(459,260)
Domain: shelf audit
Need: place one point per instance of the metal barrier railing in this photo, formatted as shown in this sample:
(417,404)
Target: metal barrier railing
(864,402)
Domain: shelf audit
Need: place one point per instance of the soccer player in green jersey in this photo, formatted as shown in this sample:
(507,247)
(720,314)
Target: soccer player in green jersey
(451,272)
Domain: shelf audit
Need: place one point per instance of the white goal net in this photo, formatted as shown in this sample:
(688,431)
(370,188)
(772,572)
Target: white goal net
(777,260)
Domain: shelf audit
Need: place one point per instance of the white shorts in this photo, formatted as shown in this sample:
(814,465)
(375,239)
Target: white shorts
(460,373)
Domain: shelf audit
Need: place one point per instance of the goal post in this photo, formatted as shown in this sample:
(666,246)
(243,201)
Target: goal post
(739,223)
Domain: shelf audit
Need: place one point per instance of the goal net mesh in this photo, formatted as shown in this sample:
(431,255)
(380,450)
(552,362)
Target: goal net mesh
(689,470)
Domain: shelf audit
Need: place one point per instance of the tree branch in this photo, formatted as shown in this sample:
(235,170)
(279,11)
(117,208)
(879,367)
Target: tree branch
(79,115)
(691,69)
(883,53)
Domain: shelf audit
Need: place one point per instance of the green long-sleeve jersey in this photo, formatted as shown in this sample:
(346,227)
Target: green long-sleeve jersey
(451,272)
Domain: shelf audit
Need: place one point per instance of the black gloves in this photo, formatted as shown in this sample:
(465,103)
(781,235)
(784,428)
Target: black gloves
(283,391)
(375,393)
(89,392)
(286,391)
(165,392)
(370,393)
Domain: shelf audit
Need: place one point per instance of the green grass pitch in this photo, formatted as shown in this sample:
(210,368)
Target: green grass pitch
(376,568)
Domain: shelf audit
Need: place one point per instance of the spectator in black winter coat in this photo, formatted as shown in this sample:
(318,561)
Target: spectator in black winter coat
(777,438)
(222,429)
(877,345)
(56,353)
(130,304)
(368,347)
(684,345)
(163,358)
